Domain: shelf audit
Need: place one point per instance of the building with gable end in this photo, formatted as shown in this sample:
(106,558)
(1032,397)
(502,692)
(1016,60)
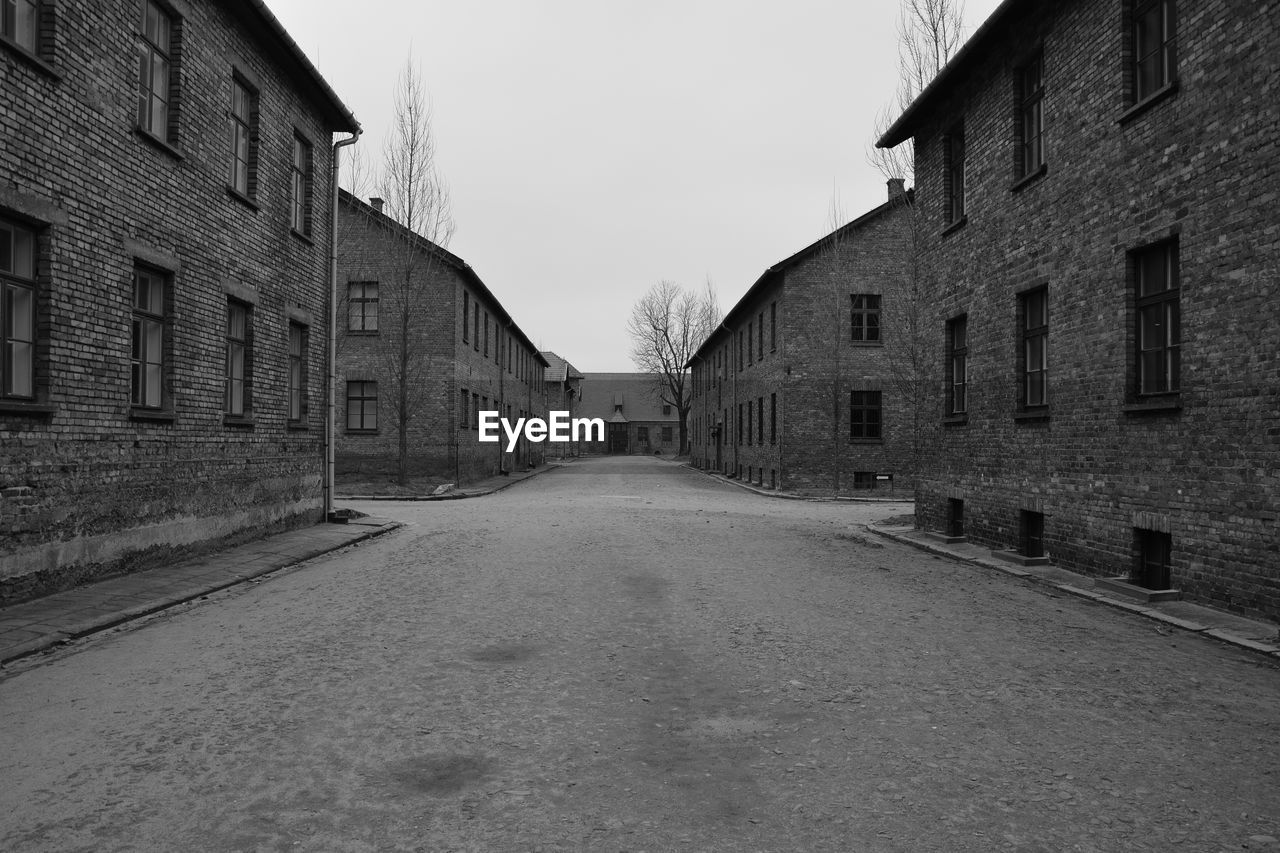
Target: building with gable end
(636,420)
(1099,181)
(165,224)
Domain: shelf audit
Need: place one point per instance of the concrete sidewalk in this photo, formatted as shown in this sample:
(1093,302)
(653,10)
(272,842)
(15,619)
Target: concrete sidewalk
(34,626)
(791,496)
(1255,635)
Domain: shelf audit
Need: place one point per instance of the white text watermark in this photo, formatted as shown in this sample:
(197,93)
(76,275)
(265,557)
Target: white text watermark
(558,428)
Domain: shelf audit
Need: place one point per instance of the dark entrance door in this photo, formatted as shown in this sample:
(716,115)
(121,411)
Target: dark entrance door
(618,438)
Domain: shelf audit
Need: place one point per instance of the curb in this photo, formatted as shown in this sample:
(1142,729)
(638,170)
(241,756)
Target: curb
(127,614)
(1271,650)
(773,493)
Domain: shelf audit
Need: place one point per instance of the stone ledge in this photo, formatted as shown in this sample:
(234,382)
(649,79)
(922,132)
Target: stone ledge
(1122,586)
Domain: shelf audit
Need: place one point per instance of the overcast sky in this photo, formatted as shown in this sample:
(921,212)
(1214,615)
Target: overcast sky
(593,147)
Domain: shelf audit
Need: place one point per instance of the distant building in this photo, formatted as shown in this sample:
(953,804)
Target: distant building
(1099,184)
(564,392)
(463,354)
(636,419)
(165,225)
(807,386)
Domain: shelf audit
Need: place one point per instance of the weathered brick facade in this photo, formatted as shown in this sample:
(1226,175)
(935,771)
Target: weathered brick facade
(460,341)
(1148,222)
(564,394)
(795,391)
(121,442)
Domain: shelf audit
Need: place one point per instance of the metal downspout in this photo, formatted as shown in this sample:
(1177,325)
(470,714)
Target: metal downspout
(331,408)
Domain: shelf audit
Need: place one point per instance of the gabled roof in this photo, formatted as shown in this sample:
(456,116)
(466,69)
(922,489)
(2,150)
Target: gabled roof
(770,276)
(462,267)
(636,393)
(558,370)
(978,48)
(264,25)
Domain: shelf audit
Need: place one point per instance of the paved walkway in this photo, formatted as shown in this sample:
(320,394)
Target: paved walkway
(472,490)
(34,626)
(1251,634)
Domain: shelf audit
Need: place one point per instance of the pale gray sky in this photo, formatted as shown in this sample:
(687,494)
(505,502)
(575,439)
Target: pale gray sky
(594,147)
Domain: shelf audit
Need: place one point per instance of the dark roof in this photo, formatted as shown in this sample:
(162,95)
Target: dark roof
(558,370)
(462,267)
(978,48)
(260,21)
(770,276)
(636,392)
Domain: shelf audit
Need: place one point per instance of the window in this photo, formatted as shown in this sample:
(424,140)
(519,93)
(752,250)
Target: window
(773,327)
(760,336)
(475,320)
(486,334)
(864,319)
(157,72)
(666,435)
(739,350)
(464,422)
(475,407)
(1034,311)
(297,390)
(1153,31)
(760,420)
(300,217)
(750,336)
(1152,567)
(739,423)
(957,365)
(362,405)
(239,360)
(1158,321)
(955,517)
(1031,116)
(954,174)
(147,362)
(21,23)
(243,127)
(773,418)
(1031,533)
(17,311)
(864,479)
(466,317)
(750,404)
(362,306)
(642,435)
(864,415)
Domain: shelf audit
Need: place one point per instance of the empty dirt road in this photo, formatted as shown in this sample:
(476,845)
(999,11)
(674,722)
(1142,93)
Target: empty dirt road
(626,655)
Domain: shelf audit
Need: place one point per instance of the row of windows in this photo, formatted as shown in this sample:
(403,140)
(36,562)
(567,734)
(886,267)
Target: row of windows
(1156,327)
(642,435)
(750,424)
(1150,71)
(519,361)
(750,343)
(159,52)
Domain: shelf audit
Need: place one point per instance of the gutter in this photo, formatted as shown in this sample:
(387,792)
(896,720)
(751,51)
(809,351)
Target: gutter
(331,407)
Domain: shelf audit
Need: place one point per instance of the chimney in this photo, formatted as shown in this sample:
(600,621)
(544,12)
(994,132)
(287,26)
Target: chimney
(897,188)
(377,202)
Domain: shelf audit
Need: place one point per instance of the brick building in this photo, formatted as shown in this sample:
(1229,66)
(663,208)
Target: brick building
(636,420)
(1100,180)
(463,354)
(164,244)
(808,384)
(564,391)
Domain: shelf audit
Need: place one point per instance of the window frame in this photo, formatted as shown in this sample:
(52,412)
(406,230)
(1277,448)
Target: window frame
(301,186)
(168,57)
(955,208)
(150,371)
(1168,303)
(367,415)
(1164,53)
(358,306)
(297,402)
(864,319)
(237,398)
(773,418)
(1029,125)
(957,367)
(1028,337)
(866,415)
(773,327)
(243,133)
(9,19)
(12,283)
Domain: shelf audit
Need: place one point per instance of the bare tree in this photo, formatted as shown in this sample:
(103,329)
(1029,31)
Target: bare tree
(929,34)
(666,327)
(397,246)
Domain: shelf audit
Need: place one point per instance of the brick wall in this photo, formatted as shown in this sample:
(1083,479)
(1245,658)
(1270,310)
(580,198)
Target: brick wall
(1198,166)
(89,484)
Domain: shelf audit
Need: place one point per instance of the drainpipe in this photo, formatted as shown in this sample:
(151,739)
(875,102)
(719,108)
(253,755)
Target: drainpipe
(331,408)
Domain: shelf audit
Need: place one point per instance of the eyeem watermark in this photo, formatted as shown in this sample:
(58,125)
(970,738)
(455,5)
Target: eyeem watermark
(560,428)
